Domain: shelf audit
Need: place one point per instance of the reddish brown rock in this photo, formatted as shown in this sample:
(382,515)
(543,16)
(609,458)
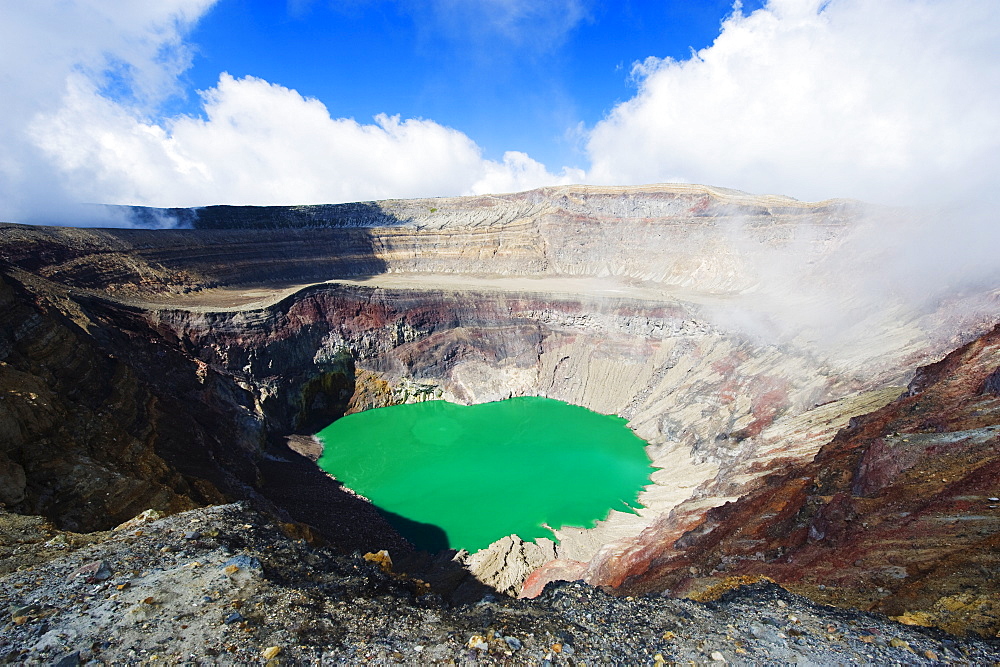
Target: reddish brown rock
(556,570)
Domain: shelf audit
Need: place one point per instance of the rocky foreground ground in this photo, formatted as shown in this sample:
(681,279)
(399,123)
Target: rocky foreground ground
(225,584)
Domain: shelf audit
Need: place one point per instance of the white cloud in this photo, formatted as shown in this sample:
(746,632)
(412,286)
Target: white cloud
(896,100)
(67,140)
(519,172)
(261,143)
(889,101)
(137,47)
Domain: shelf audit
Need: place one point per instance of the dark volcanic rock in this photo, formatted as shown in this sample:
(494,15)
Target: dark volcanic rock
(102,417)
(992,382)
(246,588)
(78,426)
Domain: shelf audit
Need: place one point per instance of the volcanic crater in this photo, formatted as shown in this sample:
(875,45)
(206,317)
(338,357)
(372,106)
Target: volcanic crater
(176,368)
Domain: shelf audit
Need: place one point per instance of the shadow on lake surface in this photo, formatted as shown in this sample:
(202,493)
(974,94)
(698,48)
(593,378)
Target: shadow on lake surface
(300,489)
(308,495)
(424,536)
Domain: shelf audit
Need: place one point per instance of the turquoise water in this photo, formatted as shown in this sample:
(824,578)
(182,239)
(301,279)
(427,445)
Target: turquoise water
(457,476)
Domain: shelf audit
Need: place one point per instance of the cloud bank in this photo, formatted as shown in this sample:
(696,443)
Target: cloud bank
(136,50)
(891,101)
(85,127)
(261,143)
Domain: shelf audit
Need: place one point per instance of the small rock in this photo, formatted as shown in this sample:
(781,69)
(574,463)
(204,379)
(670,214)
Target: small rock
(896,642)
(381,558)
(478,642)
(513,642)
(930,655)
(241,563)
(764,633)
(92,572)
(139,519)
(234,617)
(716,656)
(271,652)
(192,535)
(26,612)
(69,660)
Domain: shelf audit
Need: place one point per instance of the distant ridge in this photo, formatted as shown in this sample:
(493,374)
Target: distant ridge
(390,212)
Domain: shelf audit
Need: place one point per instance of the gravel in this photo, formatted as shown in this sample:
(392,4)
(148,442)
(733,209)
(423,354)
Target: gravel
(244,591)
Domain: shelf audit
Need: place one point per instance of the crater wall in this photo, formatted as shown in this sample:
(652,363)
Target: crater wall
(653,303)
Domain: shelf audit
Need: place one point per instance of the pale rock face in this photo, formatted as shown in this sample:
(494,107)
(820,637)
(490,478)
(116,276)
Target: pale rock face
(505,564)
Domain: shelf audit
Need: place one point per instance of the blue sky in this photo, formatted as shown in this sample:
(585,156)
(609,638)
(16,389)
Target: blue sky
(197,102)
(526,89)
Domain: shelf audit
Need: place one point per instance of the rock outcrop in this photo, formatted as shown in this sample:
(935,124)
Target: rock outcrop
(506,563)
(83,437)
(212,345)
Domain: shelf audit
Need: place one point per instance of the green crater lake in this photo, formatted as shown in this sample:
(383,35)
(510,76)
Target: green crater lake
(448,475)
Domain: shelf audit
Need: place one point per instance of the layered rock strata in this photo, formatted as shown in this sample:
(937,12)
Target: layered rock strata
(692,236)
(83,437)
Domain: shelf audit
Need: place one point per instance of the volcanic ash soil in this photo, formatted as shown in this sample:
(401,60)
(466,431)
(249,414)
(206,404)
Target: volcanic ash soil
(226,584)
